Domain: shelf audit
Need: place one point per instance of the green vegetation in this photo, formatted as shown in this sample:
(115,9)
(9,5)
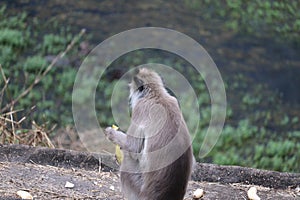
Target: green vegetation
(24,57)
(255,134)
(279,19)
(258,131)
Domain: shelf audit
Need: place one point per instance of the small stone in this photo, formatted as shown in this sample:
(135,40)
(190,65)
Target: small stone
(24,194)
(112,187)
(252,194)
(198,193)
(69,185)
(297,189)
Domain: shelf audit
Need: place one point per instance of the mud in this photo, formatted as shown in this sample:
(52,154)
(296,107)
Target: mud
(44,172)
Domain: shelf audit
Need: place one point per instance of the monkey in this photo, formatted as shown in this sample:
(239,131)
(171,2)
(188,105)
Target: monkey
(158,157)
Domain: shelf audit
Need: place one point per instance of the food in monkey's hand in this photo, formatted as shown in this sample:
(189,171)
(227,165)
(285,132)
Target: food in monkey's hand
(118,151)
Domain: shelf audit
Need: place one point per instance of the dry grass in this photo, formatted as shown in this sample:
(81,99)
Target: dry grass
(11,129)
(37,136)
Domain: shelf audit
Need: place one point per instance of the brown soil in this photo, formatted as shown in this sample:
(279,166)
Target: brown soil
(43,172)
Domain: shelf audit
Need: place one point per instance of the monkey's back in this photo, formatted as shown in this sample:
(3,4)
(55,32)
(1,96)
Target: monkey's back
(166,157)
(172,182)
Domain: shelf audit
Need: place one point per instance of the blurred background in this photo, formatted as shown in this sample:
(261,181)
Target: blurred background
(255,44)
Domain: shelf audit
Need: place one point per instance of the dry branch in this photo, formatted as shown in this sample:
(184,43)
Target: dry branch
(10,128)
(39,77)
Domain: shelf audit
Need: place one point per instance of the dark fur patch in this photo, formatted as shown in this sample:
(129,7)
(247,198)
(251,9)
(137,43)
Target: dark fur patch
(139,83)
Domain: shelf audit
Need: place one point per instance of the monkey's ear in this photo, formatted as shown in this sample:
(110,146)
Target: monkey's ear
(136,71)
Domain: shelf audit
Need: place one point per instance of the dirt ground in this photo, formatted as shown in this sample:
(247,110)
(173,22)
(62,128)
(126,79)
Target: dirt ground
(20,170)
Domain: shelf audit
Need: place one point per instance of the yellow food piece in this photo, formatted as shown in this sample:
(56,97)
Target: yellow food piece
(115,127)
(118,151)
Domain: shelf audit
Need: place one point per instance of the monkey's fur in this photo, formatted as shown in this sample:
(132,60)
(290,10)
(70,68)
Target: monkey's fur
(157,148)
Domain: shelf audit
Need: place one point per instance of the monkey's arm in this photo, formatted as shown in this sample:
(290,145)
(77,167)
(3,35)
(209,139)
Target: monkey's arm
(117,137)
(126,142)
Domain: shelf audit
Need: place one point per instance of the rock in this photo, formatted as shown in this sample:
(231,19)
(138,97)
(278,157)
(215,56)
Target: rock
(24,194)
(252,194)
(69,185)
(198,193)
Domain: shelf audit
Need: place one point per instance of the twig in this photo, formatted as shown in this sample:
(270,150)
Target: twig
(43,134)
(100,165)
(26,114)
(5,84)
(5,89)
(39,78)
(4,117)
(11,112)
(8,120)
(12,125)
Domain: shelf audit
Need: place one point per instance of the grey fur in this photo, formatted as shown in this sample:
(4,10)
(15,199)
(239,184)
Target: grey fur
(157,148)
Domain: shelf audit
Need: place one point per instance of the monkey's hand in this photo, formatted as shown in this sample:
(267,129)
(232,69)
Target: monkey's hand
(117,137)
(110,133)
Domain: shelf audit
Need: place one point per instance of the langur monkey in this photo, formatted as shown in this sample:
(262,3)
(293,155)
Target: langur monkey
(157,149)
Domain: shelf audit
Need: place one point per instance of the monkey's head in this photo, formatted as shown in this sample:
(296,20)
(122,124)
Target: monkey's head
(144,83)
(145,80)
